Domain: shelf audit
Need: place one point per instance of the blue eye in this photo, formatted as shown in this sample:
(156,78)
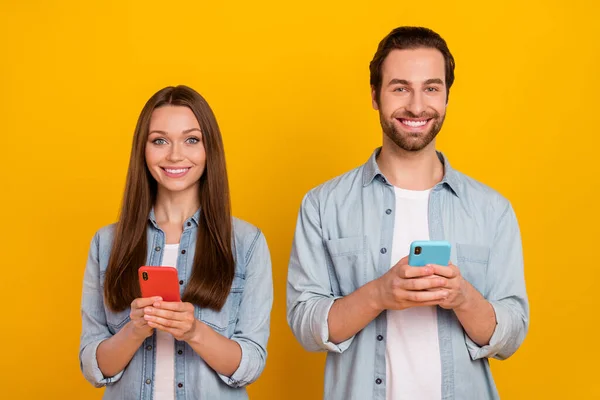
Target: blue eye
(193,140)
(159,141)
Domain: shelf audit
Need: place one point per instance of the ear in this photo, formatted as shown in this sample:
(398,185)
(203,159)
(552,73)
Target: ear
(374,98)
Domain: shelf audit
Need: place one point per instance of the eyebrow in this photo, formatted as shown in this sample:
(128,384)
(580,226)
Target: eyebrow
(185,132)
(398,82)
(405,82)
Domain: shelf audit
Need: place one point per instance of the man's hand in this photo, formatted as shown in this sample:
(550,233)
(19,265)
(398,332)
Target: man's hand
(456,286)
(404,286)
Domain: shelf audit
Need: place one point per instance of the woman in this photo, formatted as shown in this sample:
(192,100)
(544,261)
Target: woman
(176,212)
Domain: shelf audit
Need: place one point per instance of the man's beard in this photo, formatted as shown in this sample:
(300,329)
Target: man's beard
(412,141)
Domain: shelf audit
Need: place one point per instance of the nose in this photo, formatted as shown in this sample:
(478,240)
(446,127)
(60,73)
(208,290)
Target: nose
(416,104)
(175,153)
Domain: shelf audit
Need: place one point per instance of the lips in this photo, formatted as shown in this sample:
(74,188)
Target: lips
(413,123)
(175,172)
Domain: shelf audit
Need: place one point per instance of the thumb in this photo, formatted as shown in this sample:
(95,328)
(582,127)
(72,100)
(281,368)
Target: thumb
(402,261)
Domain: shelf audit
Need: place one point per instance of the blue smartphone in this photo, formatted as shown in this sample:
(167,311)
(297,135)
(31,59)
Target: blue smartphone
(423,252)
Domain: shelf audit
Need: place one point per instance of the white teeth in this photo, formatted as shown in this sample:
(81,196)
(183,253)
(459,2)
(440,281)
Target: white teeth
(176,171)
(415,124)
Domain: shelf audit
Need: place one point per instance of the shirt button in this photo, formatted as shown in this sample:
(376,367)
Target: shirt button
(383,250)
(148,347)
(378,381)
(148,381)
(180,352)
(379,337)
(181,282)
(157,248)
(182,251)
(388,211)
(189,224)
(180,385)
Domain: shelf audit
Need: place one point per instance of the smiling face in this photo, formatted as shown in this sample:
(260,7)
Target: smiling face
(175,154)
(412,100)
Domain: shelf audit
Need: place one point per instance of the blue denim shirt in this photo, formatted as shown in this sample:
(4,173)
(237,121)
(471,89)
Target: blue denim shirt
(343,227)
(244,318)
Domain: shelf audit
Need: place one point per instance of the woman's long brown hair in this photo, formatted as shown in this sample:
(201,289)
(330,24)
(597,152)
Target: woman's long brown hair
(213,268)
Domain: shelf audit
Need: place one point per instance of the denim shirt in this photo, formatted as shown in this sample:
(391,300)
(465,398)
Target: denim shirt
(343,234)
(244,318)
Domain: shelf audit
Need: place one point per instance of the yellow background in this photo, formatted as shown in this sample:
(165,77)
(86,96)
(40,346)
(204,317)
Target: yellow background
(288,82)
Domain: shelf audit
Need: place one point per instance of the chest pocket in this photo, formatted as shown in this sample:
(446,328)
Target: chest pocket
(473,261)
(116,320)
(224,321)
(347,260)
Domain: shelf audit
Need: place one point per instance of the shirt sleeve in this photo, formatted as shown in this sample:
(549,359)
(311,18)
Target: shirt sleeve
(507,293)
(309,293)
(252,328)
(94,329)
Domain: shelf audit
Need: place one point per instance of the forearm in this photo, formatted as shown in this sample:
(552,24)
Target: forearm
(477,317)
(221,354)
(114,354)
(350,314)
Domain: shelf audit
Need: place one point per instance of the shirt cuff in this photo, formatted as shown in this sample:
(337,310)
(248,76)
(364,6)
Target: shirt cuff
(91,370)
(320,327)
(247,371)
(498,337)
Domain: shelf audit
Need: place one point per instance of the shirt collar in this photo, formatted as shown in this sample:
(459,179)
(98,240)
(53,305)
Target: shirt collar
(194,218)
(451,177)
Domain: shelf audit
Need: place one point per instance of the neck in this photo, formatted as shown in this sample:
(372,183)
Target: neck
(176,207)
(411,170)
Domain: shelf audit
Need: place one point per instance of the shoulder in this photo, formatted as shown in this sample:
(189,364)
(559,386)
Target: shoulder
(103,238)
(477,195)
(247,238)
(339,187)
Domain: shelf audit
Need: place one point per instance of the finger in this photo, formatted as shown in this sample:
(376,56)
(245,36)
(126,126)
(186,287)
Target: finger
(402,261)
(428,303)
(423,283)
(136,313)
(406,271)
(163,323)
(166,314)
(424,296)
(450,271)
(177,333)
(144,301)
(174,306)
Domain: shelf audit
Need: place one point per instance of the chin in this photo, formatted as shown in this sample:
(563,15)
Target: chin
(176,188)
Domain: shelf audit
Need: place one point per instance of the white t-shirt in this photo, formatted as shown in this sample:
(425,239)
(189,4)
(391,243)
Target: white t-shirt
(413,365)
(164,376)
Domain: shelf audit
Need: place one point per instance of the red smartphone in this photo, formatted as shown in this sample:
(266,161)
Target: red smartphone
(159,281)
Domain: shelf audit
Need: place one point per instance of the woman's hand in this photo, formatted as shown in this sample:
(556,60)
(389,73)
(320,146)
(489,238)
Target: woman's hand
(177,318)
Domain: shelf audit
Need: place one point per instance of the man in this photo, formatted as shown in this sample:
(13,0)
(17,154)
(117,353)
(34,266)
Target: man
(394,331)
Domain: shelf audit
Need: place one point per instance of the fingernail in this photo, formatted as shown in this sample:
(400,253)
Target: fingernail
(157,304)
